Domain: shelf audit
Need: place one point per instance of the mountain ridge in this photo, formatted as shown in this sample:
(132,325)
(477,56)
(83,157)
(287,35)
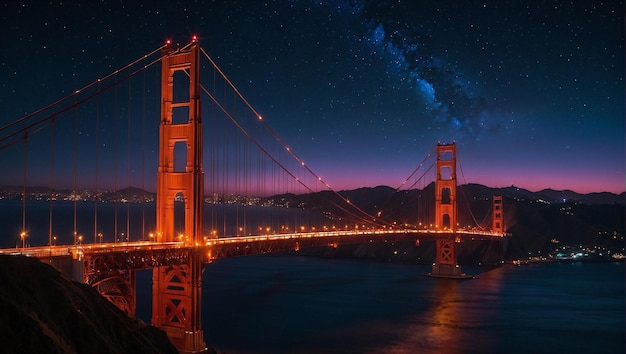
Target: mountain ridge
(478,190)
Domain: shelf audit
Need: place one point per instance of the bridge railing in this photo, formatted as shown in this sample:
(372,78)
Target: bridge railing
(63,250)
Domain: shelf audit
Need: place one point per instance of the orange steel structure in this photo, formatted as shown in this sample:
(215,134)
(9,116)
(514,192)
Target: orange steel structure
(445,187)
(446,212)
(190,183)
(177,289)
(178,256)
(498,222)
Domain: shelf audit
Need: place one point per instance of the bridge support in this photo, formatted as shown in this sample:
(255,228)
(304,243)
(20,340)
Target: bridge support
(176,300)
(177,289)
(445,265)
(498,222)
(180,123)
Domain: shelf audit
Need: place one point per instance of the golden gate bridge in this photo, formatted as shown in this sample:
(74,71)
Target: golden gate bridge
(243,173)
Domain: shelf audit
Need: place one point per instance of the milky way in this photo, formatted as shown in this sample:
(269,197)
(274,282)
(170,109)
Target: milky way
(531,91)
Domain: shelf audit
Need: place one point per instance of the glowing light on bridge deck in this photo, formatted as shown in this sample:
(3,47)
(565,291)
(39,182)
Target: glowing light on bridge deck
(23,236)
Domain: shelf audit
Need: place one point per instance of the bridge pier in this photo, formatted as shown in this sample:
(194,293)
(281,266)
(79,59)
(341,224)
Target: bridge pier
(445,265)
(176,303)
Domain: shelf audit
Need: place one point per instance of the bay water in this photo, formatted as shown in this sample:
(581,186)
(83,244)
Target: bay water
(296,304)
(293,304)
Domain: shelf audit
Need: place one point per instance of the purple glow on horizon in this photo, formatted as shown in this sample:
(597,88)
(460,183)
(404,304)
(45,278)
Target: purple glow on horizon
(360,90)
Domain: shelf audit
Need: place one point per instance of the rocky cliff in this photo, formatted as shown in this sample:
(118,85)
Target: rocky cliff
(44,312)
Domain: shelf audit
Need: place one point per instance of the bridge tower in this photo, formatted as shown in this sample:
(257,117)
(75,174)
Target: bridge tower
(176,290)
(445,264)
(445,187)
(498,223)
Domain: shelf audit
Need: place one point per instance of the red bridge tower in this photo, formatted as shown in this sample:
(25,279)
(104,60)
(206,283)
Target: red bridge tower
(176,290)
(446,214)
(498,222)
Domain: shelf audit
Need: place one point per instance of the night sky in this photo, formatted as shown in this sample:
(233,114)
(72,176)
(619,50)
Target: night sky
(531,91)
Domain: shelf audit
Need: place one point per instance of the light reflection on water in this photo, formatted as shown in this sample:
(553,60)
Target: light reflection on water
(274,304)
(443,328)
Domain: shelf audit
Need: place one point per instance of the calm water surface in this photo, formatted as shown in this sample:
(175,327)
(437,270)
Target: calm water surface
(284,304)
(271,304)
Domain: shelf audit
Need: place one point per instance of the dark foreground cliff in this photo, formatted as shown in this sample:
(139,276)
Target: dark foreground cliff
(43,312)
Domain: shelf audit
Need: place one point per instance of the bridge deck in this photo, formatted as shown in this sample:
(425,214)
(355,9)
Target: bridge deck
(146,254)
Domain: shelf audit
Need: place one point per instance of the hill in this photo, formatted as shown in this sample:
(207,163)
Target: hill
(43,312)
(538,221)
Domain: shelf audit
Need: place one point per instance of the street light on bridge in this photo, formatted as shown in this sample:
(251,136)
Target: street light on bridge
(23,235)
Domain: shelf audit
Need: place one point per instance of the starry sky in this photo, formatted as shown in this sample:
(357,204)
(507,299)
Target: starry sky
(532,92)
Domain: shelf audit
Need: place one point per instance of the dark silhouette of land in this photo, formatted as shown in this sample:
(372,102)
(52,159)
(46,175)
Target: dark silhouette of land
(44,312)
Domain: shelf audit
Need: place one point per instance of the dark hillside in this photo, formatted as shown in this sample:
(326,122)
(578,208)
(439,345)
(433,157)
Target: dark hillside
(538,221)
(43,312)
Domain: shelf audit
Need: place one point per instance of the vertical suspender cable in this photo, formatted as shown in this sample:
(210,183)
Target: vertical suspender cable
(213,155)
(95,199)
(237,176)
(75,167)
(143,159)
(463,193)
(115,165)
(128,167)
(23,233)
(225,183)
(51,183)
(226,175)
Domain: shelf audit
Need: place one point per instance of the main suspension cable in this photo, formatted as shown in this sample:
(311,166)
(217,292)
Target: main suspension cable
(76,92)
(278,163)
(463,193)
(27,128)
(280,141)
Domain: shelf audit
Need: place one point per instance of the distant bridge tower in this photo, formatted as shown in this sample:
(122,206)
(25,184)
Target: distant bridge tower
(176,290)
(445,187)
(498,223)
(446,213)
